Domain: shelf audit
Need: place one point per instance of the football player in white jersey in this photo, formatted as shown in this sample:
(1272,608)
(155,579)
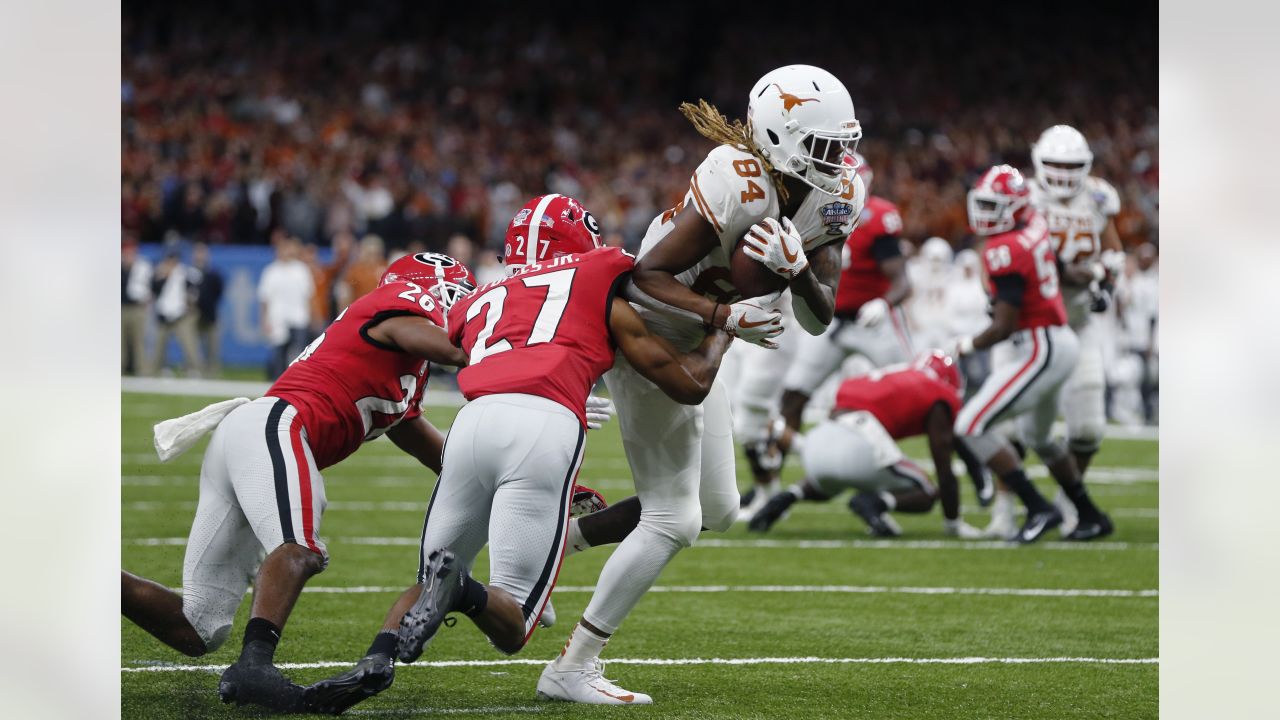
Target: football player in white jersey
(1080,209)
(781,176)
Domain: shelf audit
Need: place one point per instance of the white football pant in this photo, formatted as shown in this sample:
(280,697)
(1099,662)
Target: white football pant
(855,451)
(510,462)
(259,488)
(682,461)
(1084,402)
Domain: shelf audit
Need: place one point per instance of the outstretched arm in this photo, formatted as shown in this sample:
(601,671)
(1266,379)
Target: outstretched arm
(685,377)
(419,438)
(418,336)
(653,282)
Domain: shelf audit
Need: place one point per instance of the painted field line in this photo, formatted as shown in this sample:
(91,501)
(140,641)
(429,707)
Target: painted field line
(791,544)
(507,662)
(837,589)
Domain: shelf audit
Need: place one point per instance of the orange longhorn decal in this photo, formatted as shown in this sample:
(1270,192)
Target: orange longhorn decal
(789,101)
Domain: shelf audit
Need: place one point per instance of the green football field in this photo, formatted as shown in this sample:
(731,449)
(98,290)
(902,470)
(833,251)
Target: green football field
(812,620)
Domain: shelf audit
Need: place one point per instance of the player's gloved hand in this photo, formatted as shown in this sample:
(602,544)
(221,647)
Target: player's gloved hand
(1113,262)
(1099,296)
(585,501)
(778,246)
(749,321)
(956,347)
(872,313)
(960,529)
(599,411)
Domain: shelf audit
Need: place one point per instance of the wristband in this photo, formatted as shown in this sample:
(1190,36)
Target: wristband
(711,321)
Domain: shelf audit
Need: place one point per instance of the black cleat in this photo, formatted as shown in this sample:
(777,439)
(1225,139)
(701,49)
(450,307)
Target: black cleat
(746,497)
(1091,529)
(1037,524)
(440,592)
(772,512)
(370,676)
(261,684)
(872,511)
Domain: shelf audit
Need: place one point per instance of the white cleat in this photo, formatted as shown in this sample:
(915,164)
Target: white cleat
(960,529)
(585,685)
(1070,518)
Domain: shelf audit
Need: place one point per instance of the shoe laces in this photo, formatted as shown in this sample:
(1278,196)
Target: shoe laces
(595,671)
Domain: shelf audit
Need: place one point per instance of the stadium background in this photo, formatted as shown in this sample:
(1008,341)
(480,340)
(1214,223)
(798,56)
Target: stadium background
(429,126)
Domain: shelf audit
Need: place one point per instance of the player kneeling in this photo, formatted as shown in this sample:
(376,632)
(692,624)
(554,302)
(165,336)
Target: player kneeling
(856,447)
(537,341)
(260,483)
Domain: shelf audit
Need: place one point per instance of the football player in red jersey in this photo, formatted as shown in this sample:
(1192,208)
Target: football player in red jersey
(856,448)
(260,483)
(537,342)
(1033,352)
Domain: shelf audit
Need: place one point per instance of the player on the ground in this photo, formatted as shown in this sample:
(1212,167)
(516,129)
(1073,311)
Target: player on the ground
(260,483)
(855,448)
(869,318)
(1033,349)
(782,177)
(537,342)
(1080,210)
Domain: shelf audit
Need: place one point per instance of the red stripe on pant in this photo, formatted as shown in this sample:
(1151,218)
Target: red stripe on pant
(304,483)
(1035,355)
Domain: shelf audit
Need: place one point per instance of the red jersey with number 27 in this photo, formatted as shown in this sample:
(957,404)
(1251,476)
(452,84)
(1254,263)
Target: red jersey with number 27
(900,398)
(1028,252)
(543,331)
(348,387)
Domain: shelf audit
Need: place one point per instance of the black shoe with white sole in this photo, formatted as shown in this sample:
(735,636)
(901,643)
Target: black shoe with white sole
(1091,529)
(332,696)
(440,593)
(1039,523)
(875,514)
(772,512)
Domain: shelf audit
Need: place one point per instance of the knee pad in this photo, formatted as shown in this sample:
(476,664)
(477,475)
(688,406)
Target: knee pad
(677,525)
(1050,451)
(720,519)
(985,446)
(211,620)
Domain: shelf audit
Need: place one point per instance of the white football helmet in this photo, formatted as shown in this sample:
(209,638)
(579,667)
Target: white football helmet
(937,252)
(801,118)
(1062,159)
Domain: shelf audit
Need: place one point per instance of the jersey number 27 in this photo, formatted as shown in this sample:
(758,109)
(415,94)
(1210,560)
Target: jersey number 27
(492,303)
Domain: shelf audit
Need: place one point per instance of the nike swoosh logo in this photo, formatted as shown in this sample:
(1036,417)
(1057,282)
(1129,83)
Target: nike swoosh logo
(744,323)
(1034,530)
(786,252)
(624,698)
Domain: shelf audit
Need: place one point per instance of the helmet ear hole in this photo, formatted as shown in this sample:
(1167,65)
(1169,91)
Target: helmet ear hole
(773,137)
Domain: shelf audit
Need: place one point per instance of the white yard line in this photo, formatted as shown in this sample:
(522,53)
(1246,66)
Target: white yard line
(822,589)
(692,661)
(789,544)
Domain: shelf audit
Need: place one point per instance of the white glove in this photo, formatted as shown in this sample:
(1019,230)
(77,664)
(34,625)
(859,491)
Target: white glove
(872,313)
(778,246)
(753,323)
(599,411)
(1113,262)
(961,529)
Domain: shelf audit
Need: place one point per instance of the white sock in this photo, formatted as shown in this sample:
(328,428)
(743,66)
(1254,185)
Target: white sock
(582,646)
(576,543)
(1002,507)
(889,500)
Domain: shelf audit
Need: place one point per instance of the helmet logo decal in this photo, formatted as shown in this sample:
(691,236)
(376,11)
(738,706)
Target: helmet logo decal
(789,101)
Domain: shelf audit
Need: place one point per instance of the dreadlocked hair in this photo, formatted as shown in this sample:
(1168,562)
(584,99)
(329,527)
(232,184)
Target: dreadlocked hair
(713,125)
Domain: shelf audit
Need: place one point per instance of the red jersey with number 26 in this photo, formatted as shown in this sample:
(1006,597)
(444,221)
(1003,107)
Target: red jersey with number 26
(1028,252)
(348,387)
(543,331)
(899,396)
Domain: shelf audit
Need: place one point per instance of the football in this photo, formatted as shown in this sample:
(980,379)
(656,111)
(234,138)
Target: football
(750,276)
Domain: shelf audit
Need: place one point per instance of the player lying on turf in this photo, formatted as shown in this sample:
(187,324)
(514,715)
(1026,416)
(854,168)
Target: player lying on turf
(855,448)
(1033,350)
(260,484)
(537,342)
(777,194)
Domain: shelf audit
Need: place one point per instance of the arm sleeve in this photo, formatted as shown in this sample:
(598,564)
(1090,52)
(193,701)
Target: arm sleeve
(1009,288)
(885,247)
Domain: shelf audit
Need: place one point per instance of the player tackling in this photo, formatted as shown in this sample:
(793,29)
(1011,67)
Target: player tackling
(260,483)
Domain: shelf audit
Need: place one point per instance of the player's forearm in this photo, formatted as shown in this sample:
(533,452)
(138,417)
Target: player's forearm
(814,303)
(690,379)
(660,291)
(899,290)
(420,439)
(948,486)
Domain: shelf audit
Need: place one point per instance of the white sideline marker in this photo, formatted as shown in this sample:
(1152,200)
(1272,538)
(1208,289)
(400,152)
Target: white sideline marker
(691,661)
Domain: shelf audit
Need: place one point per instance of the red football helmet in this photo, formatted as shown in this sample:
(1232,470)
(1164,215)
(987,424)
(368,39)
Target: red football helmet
(442,276)
(549,226)
(861,167)
(941,367)
(999,200)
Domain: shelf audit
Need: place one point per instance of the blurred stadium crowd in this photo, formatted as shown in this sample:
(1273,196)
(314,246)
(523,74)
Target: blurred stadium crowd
(372,130)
